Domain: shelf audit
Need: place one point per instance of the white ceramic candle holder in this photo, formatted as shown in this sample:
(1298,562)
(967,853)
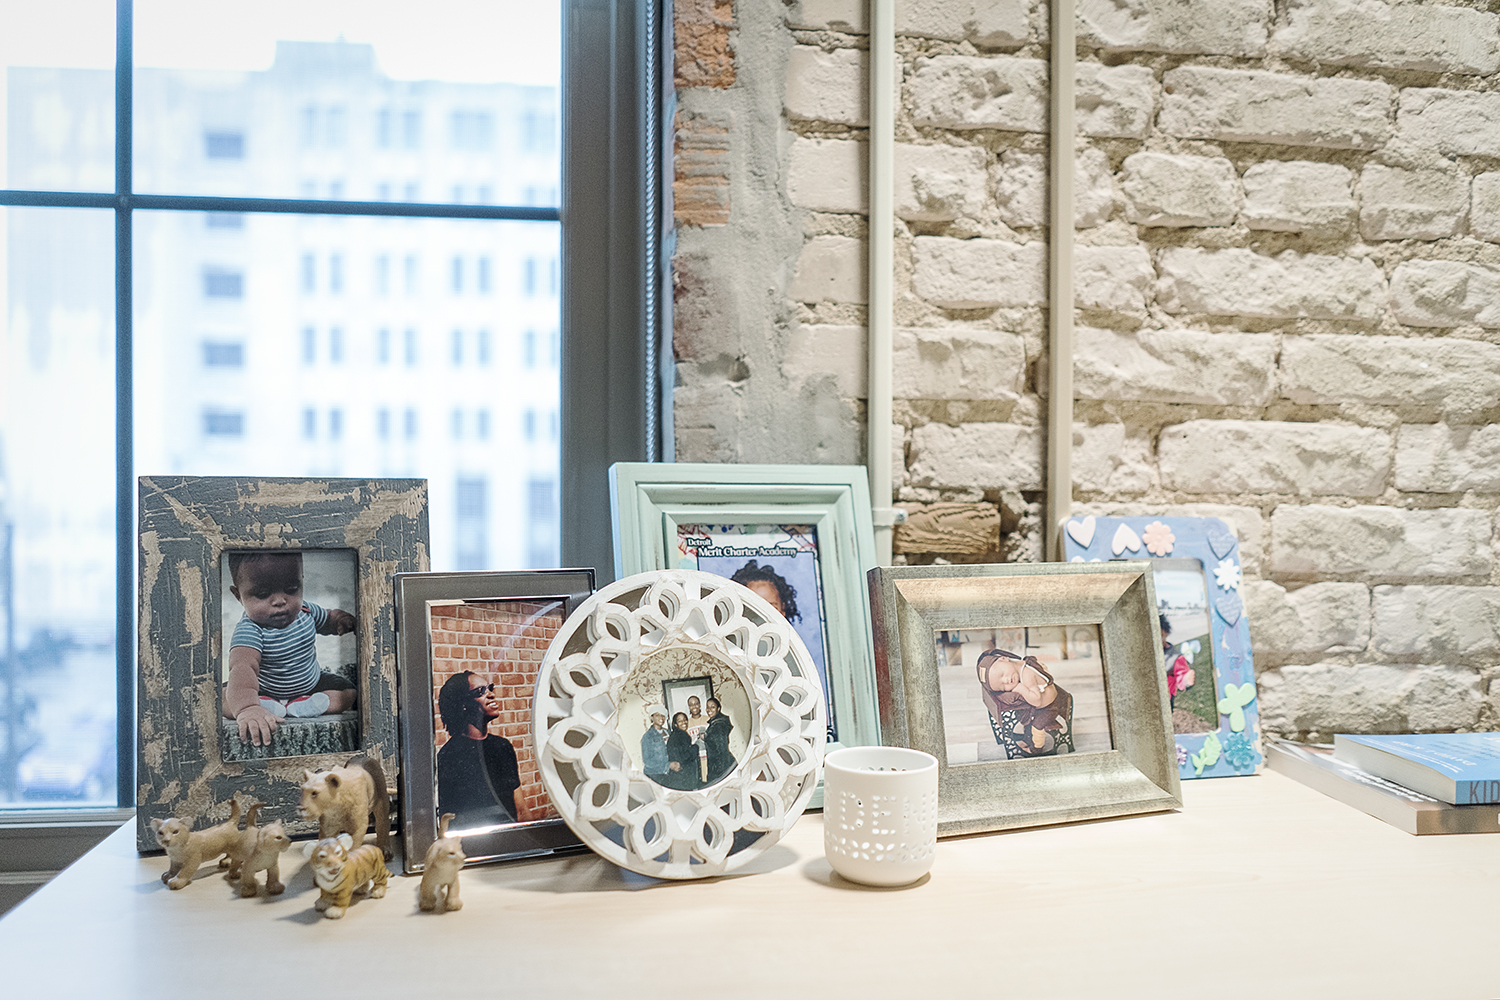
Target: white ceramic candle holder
(880,813)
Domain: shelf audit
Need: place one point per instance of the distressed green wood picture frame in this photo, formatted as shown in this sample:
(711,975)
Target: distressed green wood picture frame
(1138,774)
(186,524)
(651,501)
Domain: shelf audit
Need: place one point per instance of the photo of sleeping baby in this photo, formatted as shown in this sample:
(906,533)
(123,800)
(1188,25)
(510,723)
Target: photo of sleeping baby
(1015,693)
(289,675)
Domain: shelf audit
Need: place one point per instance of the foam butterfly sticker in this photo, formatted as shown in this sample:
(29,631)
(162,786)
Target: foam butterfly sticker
(1209,755)
(1236,697)
(1190,650)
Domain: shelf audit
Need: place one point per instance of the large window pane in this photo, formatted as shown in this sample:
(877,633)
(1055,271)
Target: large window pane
(290,345)
(346,101)
(57,105)
(57,511)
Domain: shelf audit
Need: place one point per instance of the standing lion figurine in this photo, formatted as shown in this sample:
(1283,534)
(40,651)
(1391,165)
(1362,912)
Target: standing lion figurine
(342,800)
(187,849)
(440,871)
(340,870)
(257,850)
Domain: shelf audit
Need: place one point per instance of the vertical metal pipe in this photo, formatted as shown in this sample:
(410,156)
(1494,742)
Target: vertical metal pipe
(125,639)
(882,232)
(1060,279)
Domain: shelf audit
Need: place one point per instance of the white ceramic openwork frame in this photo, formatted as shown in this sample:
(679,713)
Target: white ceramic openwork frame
(598,787)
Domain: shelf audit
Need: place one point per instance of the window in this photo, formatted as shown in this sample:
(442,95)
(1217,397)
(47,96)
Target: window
(383,424)
(222,283)
(458,275)
(482,425)
(471,130)
(528,349)
(335,424)
(223,354)
(165,271)
(458,348)
(224,145)
(223,423)
(482,275)
(528,425)
(336,274)
(472,507)
(383,131)
(383,346)
(528,276)
(335,345)
(482,348)
(382,275)
(457,423)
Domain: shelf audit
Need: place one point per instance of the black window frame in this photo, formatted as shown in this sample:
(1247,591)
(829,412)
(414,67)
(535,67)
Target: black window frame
(615,318)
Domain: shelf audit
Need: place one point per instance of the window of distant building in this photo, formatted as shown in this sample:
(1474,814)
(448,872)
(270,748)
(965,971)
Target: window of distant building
(336,274)
(336,345)
(528,276)
(458,348)
(309,423)
(411,129)
(307,130)
(471,130)
(223,423)
(482,275)
(528,348)
(482,348)
(482,425)
(335,423)
(336,127)
(458,275)
(383,424)
(383,346)
(223,283)
(528,425)
(382,275)
(384,132)
(224,145)
(223,354)
(309,345)
(224,220)
(410,339)
(409,271)
(457,422)
(410,424)
(309,274)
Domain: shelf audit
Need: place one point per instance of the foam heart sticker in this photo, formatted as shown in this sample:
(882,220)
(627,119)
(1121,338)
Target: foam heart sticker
(1220,538)
(1125,539)
(1082,532)
(1229,606)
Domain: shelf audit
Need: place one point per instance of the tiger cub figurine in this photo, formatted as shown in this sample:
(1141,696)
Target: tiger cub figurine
(340,870)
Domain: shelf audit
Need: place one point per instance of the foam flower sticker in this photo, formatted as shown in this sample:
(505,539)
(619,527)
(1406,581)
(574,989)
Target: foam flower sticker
(1181,755)
(1209,755)
(1159,538)
(1236,697)
(1227,574)
(1239,752)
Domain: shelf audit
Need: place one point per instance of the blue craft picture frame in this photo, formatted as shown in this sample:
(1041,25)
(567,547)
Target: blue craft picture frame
(1232,748)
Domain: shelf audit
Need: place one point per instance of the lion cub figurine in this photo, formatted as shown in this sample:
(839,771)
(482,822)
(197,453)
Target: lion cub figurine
(342,800)
(258,850)
(340,870)
(440,871)
(187,849)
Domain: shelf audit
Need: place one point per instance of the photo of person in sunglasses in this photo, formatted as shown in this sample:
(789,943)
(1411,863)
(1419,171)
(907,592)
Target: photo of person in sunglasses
(477,772)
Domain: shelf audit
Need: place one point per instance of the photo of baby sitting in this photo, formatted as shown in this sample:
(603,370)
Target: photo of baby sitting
(272,659)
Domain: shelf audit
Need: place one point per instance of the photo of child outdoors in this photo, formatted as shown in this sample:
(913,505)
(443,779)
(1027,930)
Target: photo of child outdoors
(289,653)
(1015,693)
(1187,644)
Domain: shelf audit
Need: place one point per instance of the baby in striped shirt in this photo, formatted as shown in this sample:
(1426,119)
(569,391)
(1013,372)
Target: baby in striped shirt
(273,662)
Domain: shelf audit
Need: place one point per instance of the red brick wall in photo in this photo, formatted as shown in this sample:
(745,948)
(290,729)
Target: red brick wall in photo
(504,642)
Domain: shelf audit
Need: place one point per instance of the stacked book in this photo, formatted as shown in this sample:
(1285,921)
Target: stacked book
(1424,783)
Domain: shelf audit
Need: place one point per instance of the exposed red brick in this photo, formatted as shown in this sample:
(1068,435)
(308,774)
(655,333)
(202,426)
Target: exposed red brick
(700,184)
(701,43)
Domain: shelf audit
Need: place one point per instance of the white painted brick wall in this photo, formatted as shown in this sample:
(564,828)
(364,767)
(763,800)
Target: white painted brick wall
(1114,101)
(1166,190)
(1430,37)
(958,363)
(828,175)
(1398,204)
(966,92)
(830,269)
(1298,196)
(1021,189)
(1175,366)
(1105,459)
(979,274)
(1329,698)
(1450,121)
(940,183)
(1308,621)
(1224,27)
(1438,458)
(827,86)
(1272,456)
(1484,207)
(1437,623)
(1241,282)
(986,455)
(1114,279)
(1256,106)
(1443,293)
(1447,373)
(1386,541)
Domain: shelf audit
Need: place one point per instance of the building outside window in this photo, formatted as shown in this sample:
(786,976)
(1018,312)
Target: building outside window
(227,314)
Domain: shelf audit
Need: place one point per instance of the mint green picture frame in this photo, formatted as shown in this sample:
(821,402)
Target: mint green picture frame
(649,500)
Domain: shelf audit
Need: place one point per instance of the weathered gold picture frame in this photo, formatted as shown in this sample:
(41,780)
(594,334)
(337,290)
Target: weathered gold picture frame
(910,604)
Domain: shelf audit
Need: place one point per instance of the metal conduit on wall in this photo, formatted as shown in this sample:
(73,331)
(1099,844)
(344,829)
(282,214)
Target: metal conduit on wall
(881,316)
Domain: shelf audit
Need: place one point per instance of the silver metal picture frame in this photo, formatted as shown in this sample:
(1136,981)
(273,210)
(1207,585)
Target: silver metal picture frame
(1138,774)
(494,626)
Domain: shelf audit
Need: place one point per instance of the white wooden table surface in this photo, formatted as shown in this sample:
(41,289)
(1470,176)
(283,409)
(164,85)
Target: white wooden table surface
(1258,888)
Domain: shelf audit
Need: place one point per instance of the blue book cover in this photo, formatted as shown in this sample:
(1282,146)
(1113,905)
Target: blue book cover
(1461,768)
